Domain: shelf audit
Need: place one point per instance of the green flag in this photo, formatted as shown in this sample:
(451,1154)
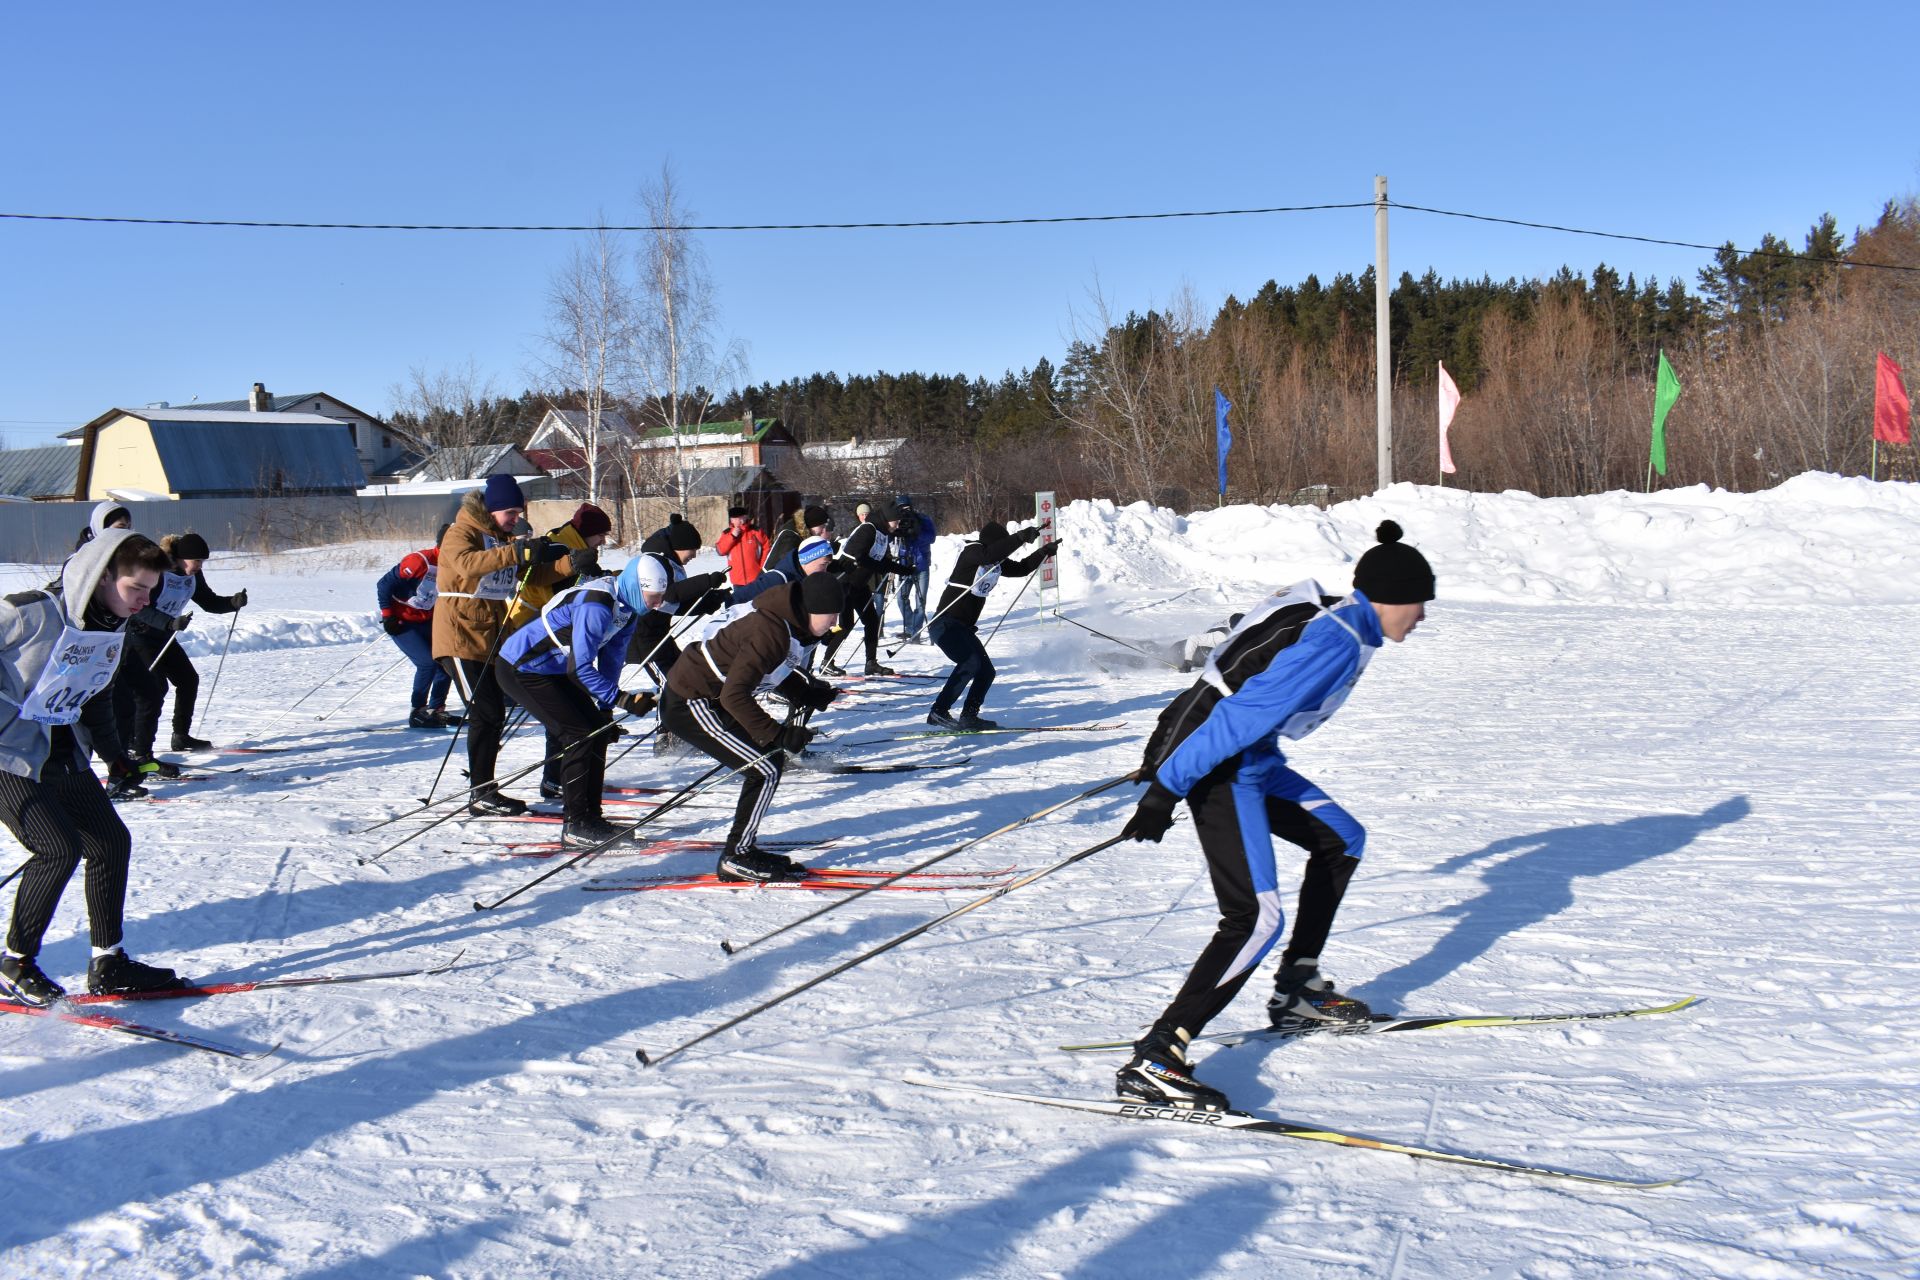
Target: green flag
(1666,391)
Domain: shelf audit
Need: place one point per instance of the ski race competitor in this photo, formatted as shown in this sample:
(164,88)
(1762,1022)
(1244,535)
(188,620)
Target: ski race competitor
(406,594)
(1282,672)
(669,593)
(955,626)
(154,659)
(564,668)
(583,534)
(58,651)
(481,568)
(709,702)
(105,515)
(811,556)
(862,563)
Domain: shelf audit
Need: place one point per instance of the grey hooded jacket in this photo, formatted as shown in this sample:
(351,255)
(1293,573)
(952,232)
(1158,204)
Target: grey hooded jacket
(30,627)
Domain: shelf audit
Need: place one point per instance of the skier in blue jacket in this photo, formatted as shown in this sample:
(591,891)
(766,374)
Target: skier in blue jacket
(1286,667)
(564,668)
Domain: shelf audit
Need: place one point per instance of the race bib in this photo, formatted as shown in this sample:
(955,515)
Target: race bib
(81,666)
(176,593)
(985,580)
(427,591)
(500,584)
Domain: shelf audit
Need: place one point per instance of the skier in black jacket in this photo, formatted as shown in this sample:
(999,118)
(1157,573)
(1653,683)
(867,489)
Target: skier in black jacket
(154,658)
(670,594)
(864,559)
(955,625)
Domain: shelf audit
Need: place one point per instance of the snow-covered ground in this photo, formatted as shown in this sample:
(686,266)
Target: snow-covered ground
(1645,747)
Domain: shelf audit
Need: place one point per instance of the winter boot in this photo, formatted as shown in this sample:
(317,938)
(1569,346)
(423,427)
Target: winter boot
(942,719)
(972,722)
(488,802)
(21,979)
(1304,997)
(113,974)
(184,741)
(589,833)
(757,865)
(1159,1073)
(874,668)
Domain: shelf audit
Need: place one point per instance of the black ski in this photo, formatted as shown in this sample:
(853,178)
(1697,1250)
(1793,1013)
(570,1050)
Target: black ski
(1245,1122)
(1380,1023)
(107,1022)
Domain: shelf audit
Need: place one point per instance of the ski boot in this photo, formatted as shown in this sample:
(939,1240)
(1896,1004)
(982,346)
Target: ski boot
(21,979)
(875,668)
(1304,998)
(973,722)
(183,741)
(831,668)
(589,833)
(113,974)
(422,719)
(943,719)
(551,790)
(488,802)
(1160,1074)
(757,865)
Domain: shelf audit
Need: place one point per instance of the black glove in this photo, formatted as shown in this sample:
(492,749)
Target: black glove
(819,696)
(793,739)
(586,562)
(391,624)
(1049,548)
(712,581)
(239,598)
(1155,814)
(529,552)
(635,704)
(1028,535)
(180,623)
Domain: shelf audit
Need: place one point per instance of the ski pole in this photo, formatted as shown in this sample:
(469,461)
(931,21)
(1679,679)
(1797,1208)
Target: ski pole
(163,652)
(451,814)
(499,634)
(1008,611)
(964,845)
(15,873)
(675,801)
(1117,640)
(363,688)
(647,1060)
(455,797)
(927,624)
(357,654)
(219,667)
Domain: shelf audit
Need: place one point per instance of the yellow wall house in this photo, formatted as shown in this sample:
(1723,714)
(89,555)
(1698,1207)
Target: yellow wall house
(212,453)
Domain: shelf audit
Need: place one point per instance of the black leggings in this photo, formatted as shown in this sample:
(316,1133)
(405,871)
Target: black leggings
(570,716)
(707,726)
(486,715)
(860,604)
(64,819)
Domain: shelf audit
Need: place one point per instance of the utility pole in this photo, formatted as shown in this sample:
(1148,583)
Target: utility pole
(1382,333)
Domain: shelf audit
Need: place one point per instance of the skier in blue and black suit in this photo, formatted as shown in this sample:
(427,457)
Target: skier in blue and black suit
(1283,671)
(564,668)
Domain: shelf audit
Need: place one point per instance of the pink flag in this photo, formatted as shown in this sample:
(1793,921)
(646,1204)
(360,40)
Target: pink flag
(1449,401)
(1892,415)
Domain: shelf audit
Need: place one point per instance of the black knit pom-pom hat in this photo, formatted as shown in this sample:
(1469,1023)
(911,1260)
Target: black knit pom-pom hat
(1393,572)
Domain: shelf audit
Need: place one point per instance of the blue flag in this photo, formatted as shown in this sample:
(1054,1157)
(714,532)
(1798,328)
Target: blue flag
(1222,434)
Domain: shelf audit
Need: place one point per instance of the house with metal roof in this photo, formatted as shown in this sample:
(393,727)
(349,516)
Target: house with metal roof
(474,462)
(215,453)
(46,472)
(385,451)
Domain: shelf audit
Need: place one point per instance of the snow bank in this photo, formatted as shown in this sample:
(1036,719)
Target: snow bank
(1817,538)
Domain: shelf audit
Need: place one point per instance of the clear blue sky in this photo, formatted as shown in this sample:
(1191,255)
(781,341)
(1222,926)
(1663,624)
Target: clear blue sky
(1693,122)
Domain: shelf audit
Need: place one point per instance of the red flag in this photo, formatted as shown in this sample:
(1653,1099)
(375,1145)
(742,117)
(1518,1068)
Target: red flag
(1892,415)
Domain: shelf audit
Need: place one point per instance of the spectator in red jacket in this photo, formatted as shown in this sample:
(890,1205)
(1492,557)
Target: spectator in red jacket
(744,546)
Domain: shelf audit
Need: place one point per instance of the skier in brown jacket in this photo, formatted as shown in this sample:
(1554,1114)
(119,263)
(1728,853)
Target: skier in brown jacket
(482,564)
(709,702)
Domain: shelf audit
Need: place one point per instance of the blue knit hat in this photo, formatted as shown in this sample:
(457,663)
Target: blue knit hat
(503,493)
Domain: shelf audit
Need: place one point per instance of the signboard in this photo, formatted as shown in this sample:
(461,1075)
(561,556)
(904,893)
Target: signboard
(1049,570)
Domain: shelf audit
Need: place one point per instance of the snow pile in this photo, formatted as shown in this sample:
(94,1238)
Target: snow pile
(1817,538)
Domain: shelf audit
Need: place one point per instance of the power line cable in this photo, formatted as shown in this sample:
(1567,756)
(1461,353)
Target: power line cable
(1619,235)
(743,226)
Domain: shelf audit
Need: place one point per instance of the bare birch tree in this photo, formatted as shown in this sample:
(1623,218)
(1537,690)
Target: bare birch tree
(590,335)
(452,405)
(677,359)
